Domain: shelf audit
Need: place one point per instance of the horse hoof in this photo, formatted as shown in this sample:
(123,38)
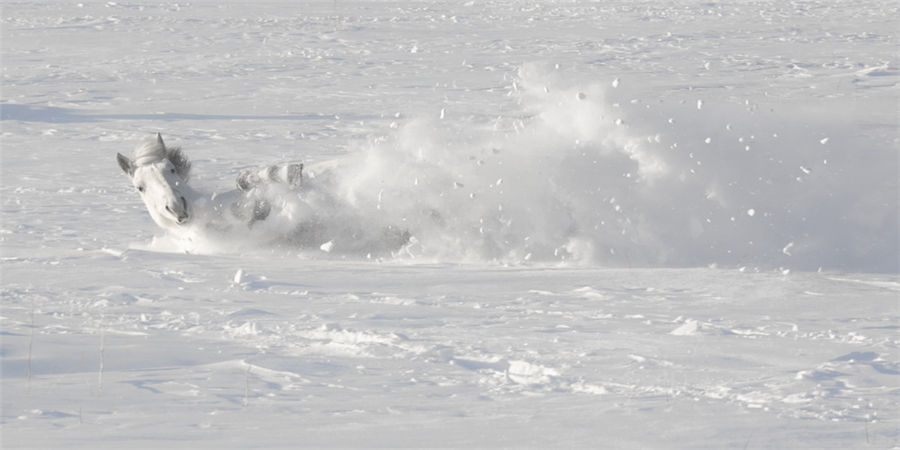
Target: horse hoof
(261,210)
(294,175)
(247,180)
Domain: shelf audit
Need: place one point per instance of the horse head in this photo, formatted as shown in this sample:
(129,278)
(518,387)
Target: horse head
(160,175)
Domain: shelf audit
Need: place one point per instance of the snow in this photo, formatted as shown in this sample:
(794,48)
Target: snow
(631,224)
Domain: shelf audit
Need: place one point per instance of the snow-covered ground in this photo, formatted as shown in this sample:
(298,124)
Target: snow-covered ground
(634,224)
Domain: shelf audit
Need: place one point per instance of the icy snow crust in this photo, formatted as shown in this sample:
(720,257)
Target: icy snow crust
(534,154)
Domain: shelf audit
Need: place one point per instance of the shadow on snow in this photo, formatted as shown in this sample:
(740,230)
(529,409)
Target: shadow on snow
(52,114)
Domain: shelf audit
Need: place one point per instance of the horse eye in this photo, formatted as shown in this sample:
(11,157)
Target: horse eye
(172,170)
(140,189)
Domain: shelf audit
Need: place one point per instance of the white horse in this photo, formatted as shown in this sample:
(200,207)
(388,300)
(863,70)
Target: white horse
(304,217)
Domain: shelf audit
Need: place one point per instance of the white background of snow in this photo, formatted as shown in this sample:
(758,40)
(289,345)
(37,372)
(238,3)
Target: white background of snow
(564,299)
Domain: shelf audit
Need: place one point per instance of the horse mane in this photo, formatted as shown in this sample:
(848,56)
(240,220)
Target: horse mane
(180,161)
(155,150)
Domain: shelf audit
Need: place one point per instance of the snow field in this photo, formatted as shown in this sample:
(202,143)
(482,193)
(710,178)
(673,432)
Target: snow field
(619,213)
(448,349)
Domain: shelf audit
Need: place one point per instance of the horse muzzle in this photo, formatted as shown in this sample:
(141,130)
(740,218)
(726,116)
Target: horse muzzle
(179,212)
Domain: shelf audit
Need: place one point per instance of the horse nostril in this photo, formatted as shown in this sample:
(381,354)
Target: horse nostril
(180,216)
(183,215)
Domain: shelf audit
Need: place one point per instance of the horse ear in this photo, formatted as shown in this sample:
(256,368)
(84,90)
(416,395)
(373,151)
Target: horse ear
(125,163)
(159,140)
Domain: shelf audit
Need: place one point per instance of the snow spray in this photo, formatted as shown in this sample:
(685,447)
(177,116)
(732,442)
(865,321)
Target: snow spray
(586,173)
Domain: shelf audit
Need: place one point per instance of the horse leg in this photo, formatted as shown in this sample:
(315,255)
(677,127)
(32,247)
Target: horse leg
(289,174)
(261,210)
(251,209)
